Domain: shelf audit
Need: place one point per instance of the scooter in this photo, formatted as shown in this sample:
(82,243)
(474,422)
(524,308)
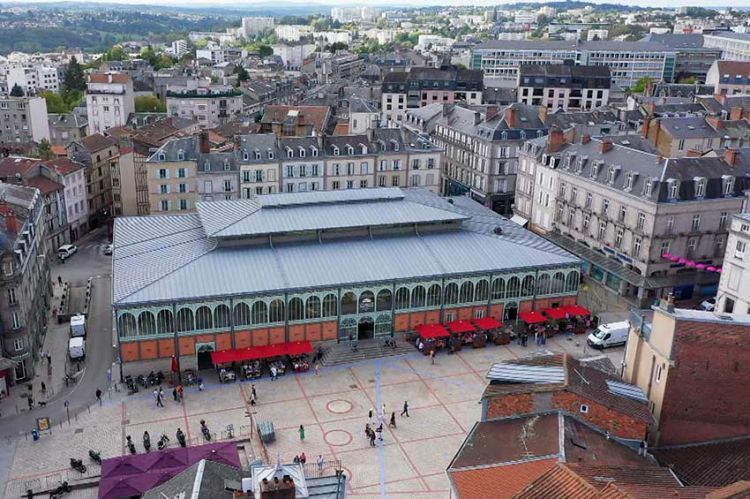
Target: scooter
(205,431)
(151,378)
(131,445)
(77,465)
(147,441)
(161,444)
(61,489)
(95,456)
(181,438)
(131,384)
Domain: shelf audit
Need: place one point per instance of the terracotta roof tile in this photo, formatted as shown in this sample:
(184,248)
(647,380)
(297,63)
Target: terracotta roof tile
(96,142)
(716,464)
(109,78)
(12,165)
(44,184)
(599,475)
(64,166)
(498,482)
(558,482)
(734,68)
(316,116)
(58,150)
(663,492)
(737,490)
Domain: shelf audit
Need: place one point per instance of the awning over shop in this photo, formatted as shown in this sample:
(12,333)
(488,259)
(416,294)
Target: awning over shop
(556,313)
(577,310)
(460,327)
(518,219)
(532,317)
(261,352)
(428,331)
(486,323)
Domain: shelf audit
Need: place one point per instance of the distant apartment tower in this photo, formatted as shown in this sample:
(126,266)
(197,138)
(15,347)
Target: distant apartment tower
(211,106)
(33,78)
(734,46)
(179,48)
(23,120)
(564,86)
(252,26)
(109,100)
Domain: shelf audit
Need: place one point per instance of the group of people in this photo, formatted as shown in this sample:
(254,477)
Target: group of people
(374,426)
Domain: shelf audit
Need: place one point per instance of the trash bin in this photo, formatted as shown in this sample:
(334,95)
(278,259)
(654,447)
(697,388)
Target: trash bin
(35,434)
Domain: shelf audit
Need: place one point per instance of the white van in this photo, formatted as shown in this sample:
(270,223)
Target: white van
(78,326)
(66,251)
(76,348)
(609,335)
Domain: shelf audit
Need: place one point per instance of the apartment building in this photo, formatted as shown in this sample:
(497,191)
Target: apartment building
(25,284)
(481,151)
(253,26)
(729,77)
(67,127)
(363,114)
(564,86)
(694,59)
(621,206)
(682,136)
(733,46)
(295,121)
(72,175)
(24,120)
(109,100)
(292,32)
(210,106)
(100,155)
(734,286)
(266,164)
(628,61)
(422,86)
(33,78)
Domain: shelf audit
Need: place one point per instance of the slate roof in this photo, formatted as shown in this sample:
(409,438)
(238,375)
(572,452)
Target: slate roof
(121,78)
(209,477)
(315,116)
(713,464)
(676,41)
(527,123)
(692,127)
(96,142)
(572,46)
(567,120)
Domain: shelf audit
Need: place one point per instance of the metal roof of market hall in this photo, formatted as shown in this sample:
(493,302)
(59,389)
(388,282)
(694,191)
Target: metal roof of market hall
(315,240)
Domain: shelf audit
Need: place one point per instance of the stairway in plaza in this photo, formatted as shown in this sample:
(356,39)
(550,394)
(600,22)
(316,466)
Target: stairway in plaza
(341,353)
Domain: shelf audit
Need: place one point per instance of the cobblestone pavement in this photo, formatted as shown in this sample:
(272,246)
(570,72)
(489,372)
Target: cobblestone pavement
(333,407)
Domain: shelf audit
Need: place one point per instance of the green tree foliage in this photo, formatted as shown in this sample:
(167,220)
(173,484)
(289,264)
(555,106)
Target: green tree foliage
(75,80)
(44,150)
(149,104)
(242,74)
(690,80)
(701,12)
(640,85)
(333,47)
(116,53)
(16,91)
(156,60)
(64,102)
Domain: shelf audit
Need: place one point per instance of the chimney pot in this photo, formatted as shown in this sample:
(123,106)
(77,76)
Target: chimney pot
(735,113)
(205,145)
(490,113)
(555,139)
(585,138)
(510,116)
(730,156)
(606,145)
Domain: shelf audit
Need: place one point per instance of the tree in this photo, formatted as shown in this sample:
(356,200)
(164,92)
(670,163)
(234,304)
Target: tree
(44,149)
(689,80)
(16,91)
(64,102)
(149,104)
(265,51)
(116,53)
(640,85)
(74,77)
(242,74)
(335,46)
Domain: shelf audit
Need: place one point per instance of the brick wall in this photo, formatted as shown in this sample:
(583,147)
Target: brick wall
(707,392)
(617,423)
(510,405)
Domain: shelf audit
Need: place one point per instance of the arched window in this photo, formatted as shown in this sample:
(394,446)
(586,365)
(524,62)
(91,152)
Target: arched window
(185,320)
(384,301)
(433,295)
(203,318)
(348,328)
(402,298)
(467,293)
(330,303)
(542,284)
(572,281)
(260,312)
(482,291)
(276,311)
(383,325)
(498,289)
(450,296)
(514,286)
(126,325)
(418,297)
(558,283)
(527,286)
(164,322)
(146,323)
(241,314)
(312,307)
(511,312)
(296,309)
(366,302)
(348,303)
(221,316)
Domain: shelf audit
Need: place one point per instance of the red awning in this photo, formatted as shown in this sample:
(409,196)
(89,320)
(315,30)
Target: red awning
(460,327)
(577,310)
(427,331)
(556,313)
(261,352)
(532,317)
(486,323)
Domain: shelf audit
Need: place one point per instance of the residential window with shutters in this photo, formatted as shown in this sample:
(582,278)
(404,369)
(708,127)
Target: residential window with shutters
(314,168)
(162,173)
(637,247)
(719,246)
(415,164)
(183,187)
(396,164)
(602,230)
(674,189)
(290,171)
(727,185)
(562,189)
(363,184)
(415,180)
(605,206)
(589,200)
(623,213)
(641,221)
(723,219)
(181,172)
(394,181)
(259,175)
(700,187)
(11,296)
(573,195)
(586,221)
(669,225)
(664,247)
(350,184)
(430,163)
(183,204)
(18,344)
(618,238)
(164,205)
(303,170)
(571,213)
(164,189)
(696,224)
(381,181)
(681,145)
(335,185)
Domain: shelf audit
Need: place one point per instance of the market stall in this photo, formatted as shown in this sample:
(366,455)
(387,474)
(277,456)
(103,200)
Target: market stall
(559,320)
(431,337)
(467,334)
(492,328)
(247,362)
(534,324)
(580,318)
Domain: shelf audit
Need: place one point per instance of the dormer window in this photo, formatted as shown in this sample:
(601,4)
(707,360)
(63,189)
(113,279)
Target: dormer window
(504,136)
(270,154)
(648,187)
(226,164)
(349,150)
(289,152)
(700,187)
(629,180)
(364,148)
(246,156)
(727,185)
(257,154)
(523,135)
(335,151)
(314,151)
(180,155)
(382,145)
(162,156)
(207,166)
(673,189)
(301,152)
(395,145)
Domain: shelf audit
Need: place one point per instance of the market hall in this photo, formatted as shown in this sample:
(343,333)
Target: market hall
(321,266)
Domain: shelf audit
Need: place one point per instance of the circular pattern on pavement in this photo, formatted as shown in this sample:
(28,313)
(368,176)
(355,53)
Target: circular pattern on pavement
(339,406)
(338,438)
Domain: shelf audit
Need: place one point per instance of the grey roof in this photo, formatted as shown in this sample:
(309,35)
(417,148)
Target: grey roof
(527,123)
(692,127)
(676,41)
(568,70)
(731,34)
(168,258)
(590,118)
(203,479)
(262,143)
(563,45)
(518,373)
(626,390)
(360,105)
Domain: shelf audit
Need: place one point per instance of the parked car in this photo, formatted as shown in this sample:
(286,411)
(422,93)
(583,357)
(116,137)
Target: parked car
(709,304)
(66,251)
(108,249)
(609,335)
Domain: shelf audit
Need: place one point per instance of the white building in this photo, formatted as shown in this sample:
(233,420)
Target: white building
(292,32)
(210,106)
(329,37)
(74,180)
(734,286)
(109,100)
(179,48)
(293,55)
(252,26)
(23,119)
(211,52)
(734,46)
(33,78)
(526,17)
(434,42)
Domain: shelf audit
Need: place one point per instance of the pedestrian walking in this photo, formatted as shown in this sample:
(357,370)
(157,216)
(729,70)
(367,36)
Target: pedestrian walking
(367,430)
(44,387)
(372,438)
(405,412)
(379,431)
(392,424)
(302,458)
(369,414)
(536,338)
(252,390)
(524,339)
(273,373)
(252,398)
(317,369)
(179,392)
(544,338)
(302,433)
(59,280)
(382,411)
(99,396)
(174,394)
(201,386)
(432,356)
(320,463)
(31,402)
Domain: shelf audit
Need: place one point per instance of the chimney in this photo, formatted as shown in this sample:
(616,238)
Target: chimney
(730,156)
(447,108)
(490,113)
(606,145)
(555,139)
(735,113)
(11,221)
(721,98)
(659,159)
(278,489)
(205,145)
(585,138)
(667,303)
(109,77)
(714,122)
(543,114)
(645,127)
(510,116)
(477,117)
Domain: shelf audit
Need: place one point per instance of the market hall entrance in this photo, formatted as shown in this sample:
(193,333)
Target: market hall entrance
(366,328)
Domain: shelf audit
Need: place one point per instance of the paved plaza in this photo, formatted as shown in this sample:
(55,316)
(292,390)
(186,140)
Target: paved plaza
(333,407)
